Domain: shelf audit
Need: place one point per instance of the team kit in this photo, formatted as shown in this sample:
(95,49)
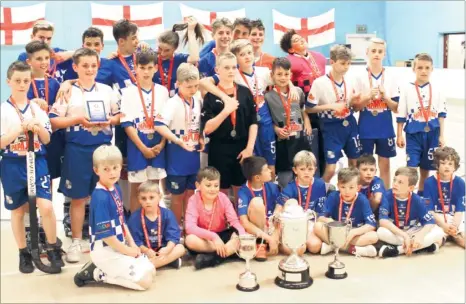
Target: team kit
(223,133)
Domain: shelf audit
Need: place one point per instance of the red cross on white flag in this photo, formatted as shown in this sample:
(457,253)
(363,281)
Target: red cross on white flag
(206,18)
(148,18)
(17,23)
(318,30)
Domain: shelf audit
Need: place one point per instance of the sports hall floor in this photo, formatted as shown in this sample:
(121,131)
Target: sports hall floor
(438,278)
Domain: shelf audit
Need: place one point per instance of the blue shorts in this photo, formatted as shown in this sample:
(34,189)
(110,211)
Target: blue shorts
(78,179)
(420,149)
(15,185)
(265,144)
(55,153)
(338,137)
(179,184)
(384,147)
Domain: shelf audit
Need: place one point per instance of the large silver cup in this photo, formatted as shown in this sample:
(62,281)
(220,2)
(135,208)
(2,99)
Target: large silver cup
(247,251)
(337,234)
(294,270)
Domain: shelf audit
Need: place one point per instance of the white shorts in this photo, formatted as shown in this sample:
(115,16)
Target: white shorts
(117,265)
(149,173)
(450,221)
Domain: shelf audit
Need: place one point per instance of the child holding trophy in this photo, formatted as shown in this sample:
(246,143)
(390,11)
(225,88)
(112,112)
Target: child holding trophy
(309,191)
(256,204)
(208,213)
(405,223)
(87,118)
(347,205)
(448,207)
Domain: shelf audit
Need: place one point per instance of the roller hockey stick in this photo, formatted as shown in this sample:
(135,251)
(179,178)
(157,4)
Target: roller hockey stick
(31,176)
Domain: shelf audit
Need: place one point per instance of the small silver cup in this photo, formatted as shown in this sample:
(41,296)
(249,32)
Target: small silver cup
(247,251)
(337,234)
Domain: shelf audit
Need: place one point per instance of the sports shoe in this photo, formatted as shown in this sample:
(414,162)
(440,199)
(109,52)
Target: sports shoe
(25,261)
(73,255)
(326,248)
(388,251)
(176,263)
(261,255)
(54,255)
(204,260)
(365,251)
(429,249)
(85,275)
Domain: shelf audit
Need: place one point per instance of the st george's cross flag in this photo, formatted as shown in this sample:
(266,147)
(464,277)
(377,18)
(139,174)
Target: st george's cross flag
(317,30)
(148,18)
(206,18)
(16,23)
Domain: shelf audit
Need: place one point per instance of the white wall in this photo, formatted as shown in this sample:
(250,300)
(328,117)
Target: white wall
(455,51)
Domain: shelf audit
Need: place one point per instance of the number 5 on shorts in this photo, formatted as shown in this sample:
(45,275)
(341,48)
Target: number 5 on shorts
(272,147)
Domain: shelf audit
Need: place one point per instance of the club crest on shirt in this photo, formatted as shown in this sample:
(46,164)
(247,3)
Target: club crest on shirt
(8,199)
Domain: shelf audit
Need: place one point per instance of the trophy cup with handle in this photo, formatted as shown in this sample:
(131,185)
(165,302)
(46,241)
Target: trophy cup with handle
(337,234)
(294,270)
(247,251)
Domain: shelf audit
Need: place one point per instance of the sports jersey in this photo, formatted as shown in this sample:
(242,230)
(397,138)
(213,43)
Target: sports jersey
(375,120)
(207,64)
(204,224)
(177,60)
(409,107)
(418,213)
(133,115)
(53,87)
(77,106)
(170,231)
(10,121)
(104,73)
(104,219)
(185,123)
(264,60)
(121,78)
(316,200)
(375,186)
(245,116)
(245,196)
(322,93)
(454,202)
(208,47)
(53,68)
(303,70)
(360,215)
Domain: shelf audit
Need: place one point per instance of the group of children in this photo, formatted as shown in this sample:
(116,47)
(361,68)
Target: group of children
(251,119)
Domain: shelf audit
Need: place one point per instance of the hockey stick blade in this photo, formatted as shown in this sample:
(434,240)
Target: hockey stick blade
(31,176)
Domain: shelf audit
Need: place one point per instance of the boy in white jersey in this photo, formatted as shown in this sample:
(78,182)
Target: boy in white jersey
(445,195)
(87,119)
(18,116)
(115,257)
(332,98)
(140,105)
(379,97)
(422,111)
(180,124)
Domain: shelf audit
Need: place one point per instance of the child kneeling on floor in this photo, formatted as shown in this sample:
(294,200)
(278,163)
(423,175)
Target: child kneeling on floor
(115,258)
(207,215)
(155,229)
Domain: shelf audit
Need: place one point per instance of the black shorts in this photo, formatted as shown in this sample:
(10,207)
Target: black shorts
(223,157)
(224,235)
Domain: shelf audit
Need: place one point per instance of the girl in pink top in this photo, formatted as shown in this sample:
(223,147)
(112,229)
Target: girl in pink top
(212,225)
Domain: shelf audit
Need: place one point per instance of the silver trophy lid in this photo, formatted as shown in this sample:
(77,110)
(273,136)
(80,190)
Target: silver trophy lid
(292,210)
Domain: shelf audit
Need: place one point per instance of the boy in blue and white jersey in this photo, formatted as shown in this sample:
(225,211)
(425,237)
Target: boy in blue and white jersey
(82,137)
(18,116)
(405,223)
(371,185)
(180,124)
(140,105)
(422,111)
(332,98)
(115,257)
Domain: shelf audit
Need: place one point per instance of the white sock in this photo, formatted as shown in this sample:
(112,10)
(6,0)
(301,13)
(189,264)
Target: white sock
(365,251)
(326,248)
(401,250)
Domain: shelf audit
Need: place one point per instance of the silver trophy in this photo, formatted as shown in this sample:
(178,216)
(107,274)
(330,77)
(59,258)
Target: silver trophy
(294,270)
(337,234)
(247,251)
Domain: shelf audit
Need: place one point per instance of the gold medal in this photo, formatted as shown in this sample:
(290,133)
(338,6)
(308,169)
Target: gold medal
(345,123)
(150,136)
(233,133)
(426,129)
(375,113)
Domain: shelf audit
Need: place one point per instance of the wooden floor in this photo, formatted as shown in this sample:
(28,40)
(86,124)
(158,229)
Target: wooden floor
(437,278)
